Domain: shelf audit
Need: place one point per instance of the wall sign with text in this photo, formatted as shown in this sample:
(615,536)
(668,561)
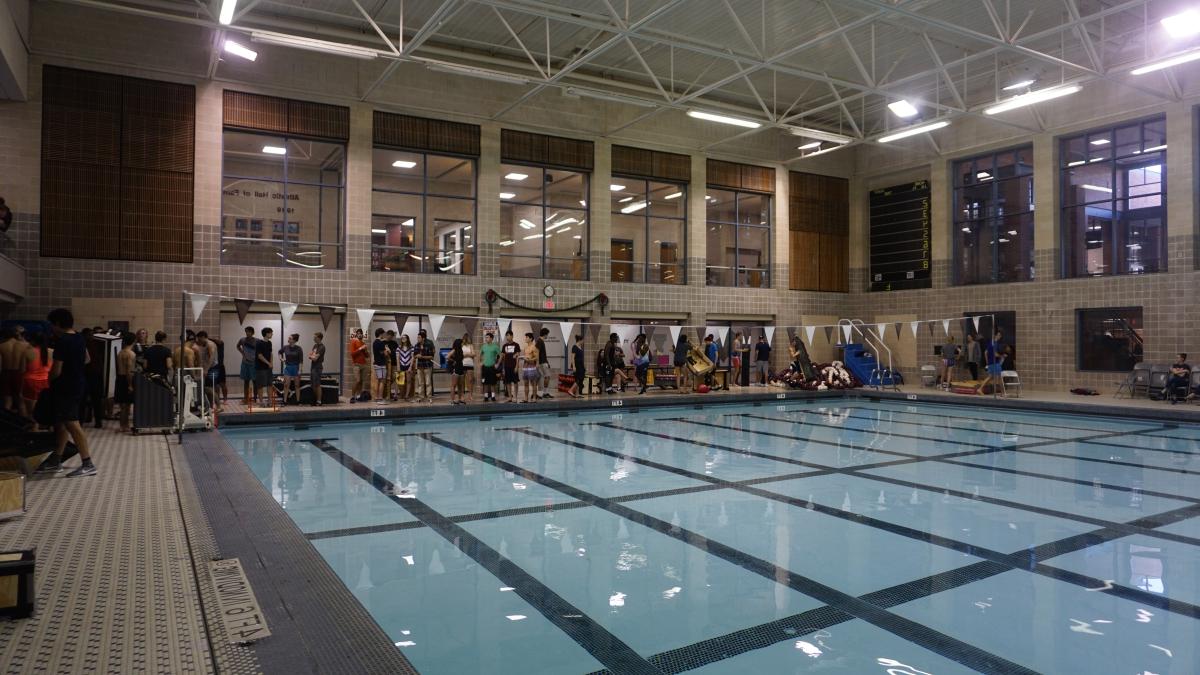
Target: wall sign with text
(900,237)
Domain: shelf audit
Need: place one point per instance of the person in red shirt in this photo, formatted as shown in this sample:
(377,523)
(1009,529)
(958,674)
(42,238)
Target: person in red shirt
(360,365)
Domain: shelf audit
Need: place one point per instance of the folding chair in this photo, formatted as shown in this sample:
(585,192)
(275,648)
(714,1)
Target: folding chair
(1010,380)
(1195,388)
(1138,378)
(1158,381)
(928,375)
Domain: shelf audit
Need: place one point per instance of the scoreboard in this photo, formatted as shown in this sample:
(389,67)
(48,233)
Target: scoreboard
(900,234)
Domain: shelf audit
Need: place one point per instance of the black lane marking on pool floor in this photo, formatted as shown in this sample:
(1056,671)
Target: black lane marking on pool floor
(591,636)
(941,410)
(1024,448)
(933,640)
(1024,559)
(945,420)
(856,472)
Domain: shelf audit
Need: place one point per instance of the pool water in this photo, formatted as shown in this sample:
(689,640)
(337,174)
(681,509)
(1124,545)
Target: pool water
(809,537)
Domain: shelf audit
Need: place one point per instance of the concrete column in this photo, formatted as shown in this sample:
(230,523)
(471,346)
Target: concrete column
(600,213)
(488,205)
(1047,243)
(1181,182)
(697,227)
(359,169)
(941,238)
(780,244)
(860,235)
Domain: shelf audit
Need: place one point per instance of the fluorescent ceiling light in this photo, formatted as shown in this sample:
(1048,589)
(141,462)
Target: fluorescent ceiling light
(1097,188)
(1157,147)
(566,221)
(480,73)
(376,230)
(1101,141)
(820,135)
(516,176)
(309,44)
(1019,85)
(403,164)
(913,131)
(633,208)
(810,146)
(723,119)
(627,199)
(1185,57)
(983,175)
(507,242)
(533,236)
(616,188)
(1012,233)
(507,195)
(526,224)
(226,16)
(676,195)
(1184,24)
(578,236)
(616,98)
(238,50)
(274,150)
(1076,162)
(903,109)
(1032,98)
(408,223)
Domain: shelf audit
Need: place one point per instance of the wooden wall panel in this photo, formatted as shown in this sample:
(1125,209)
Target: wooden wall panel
(286,116)
(741,176)
(425,135)
(652,164)
(318,120)
(117,167)
(526,148)
(819,209)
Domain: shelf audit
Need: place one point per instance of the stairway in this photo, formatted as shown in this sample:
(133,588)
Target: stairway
(861,362)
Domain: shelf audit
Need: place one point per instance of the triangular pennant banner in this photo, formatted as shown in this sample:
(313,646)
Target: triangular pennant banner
(435,325)
(566,327)
(846,333)
(913,325)
(326,315)
(471,324)
(979,322)
(198,303)
(700,333)
(364,318)
(722,333)
(897,331)
(881,330)
(829,334)
(972,323)
(769,331)
(505,326)
(791,331)
(946,326)
(287,310)
(674,334)
(401,319)
(811,332)
(929,324)
(243,308)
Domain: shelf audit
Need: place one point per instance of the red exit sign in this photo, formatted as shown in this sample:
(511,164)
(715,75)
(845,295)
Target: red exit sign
(549,304)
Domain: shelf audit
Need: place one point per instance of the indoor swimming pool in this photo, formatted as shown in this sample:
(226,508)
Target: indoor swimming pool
(828,536)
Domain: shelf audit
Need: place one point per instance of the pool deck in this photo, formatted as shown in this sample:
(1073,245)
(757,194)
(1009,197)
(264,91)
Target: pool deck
(121,580)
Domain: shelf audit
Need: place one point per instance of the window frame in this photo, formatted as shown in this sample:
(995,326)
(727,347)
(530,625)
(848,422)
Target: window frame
(1118,175)
(284,244)
(424,251)
(545,207)
(1080,314)
(646,215)
(997,219)
(738,226)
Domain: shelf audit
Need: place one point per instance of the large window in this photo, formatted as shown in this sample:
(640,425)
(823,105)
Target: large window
(543,222)
(422,213)
(993,217)
(1109,339)
(1114,200)
(282,201)
(649,223)
(739,239)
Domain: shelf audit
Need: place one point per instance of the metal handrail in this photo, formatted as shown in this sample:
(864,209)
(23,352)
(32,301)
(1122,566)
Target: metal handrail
(877,346)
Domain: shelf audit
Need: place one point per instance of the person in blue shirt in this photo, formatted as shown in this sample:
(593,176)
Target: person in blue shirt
(993,359)
(711,351)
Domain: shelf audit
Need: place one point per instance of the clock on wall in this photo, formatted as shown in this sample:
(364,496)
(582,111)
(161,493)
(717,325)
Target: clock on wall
(548,291)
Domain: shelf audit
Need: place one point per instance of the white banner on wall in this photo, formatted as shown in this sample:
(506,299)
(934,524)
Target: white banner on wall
(198,303)
(287,310)
(566,328)
(769,331)
(364,318)
(435,325)
(810,332)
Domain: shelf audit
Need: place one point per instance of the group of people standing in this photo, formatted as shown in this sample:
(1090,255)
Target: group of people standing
(991,357)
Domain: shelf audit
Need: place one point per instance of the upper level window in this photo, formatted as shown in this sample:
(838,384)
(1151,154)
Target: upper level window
(739,238)
(282,201)
(543,222)
(1114,200)
(422,213)
(649,223)
(993,217)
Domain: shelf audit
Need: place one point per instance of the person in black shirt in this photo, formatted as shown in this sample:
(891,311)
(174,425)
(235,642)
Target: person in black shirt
(293,356)
(379,361)
(264,366)
(543,364)
(1181,378)
(424,351)
(762,361)
(393,348)
(577,362)
(158,356)
(67,383)
(508,360)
